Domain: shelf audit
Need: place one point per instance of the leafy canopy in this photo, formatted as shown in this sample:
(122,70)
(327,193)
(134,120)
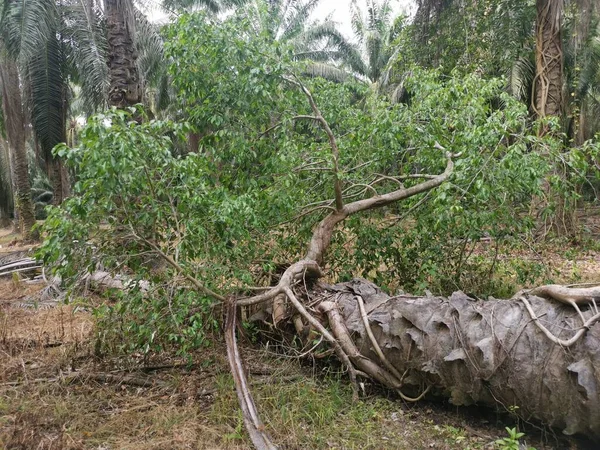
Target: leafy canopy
(262,178)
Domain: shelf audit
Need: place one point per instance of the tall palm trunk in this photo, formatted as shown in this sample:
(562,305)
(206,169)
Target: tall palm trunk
(15,129)
(548,83)
(6,193)
(583,13)
(125,86)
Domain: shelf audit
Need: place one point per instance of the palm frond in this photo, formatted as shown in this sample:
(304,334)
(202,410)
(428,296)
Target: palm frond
(372,15)
(384,17)
(164,93)
(356,21)
(213,6)
(83,30)
(26,25)
(520,78)
(589,75)
(386,74)
(326,71)
(373,47)
(150,46)
(341,49)
(46,95)
(297,22)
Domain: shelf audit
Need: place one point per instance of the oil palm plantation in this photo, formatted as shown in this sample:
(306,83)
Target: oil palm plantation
(87,43)
(53,44)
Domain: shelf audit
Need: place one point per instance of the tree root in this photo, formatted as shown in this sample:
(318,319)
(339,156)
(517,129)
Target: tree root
(254,426)
(384,360)
(338,348)
(562,342)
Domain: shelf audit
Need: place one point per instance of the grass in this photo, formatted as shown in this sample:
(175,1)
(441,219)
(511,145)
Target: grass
(305,414)
(196,407)
(186,408)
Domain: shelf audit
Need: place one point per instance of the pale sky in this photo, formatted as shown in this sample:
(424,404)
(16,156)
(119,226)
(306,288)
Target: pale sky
(340,10)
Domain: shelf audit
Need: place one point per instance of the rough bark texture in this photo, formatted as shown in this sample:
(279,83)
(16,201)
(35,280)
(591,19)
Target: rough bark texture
(548,83)
(6,194)
(481,352)
(15,130)
(59,178)
(125,88)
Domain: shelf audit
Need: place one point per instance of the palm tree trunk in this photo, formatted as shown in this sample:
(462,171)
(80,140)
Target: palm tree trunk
(548,83)
(548,95)
(6,192)
(15,129)
(583,14)
(475,352)
(59,179)
(125,86)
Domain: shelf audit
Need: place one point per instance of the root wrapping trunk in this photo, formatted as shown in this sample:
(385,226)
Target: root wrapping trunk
(480,352)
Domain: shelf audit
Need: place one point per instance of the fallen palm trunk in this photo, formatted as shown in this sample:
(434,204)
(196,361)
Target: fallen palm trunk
(21,265)
(475,352)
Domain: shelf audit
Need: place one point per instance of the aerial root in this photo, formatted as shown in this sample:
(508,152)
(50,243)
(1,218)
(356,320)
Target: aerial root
(339,351)
(254,426)
(562,342)
(399,378)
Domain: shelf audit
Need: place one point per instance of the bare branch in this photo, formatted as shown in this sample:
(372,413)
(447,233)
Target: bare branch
(339,201)
(253,424)
(387,177)
(367,187)
(403,193)
(323,232)
(306,117)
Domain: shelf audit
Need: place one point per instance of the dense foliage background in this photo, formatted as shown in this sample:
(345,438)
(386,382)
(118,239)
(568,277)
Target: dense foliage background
(223,170)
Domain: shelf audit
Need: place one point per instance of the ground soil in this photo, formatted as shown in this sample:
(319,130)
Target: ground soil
(56,393)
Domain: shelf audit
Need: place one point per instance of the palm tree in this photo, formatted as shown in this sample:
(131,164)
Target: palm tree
(582,70)
(14,122)
(6,194)
(375,33)
(125,84)
(319,43)
(54,43)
